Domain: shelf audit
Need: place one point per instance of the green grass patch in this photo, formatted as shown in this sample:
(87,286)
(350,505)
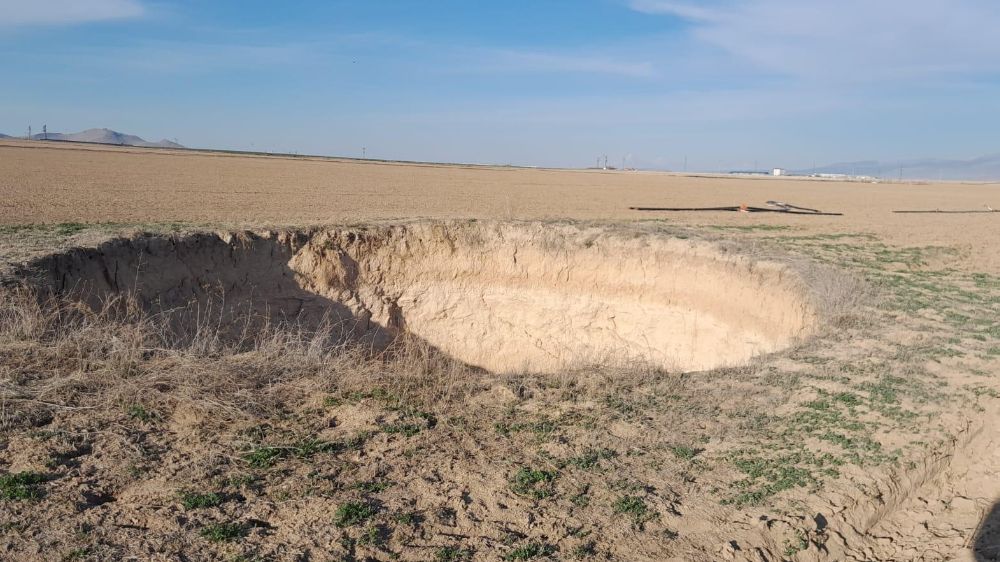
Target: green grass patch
(372,536)
(240,480)
(767,476)
(635,508)
(590,458)
(353,513)
(452,554)
(373,486)
(797,545)
(410,518)
(139,412)
(266,456)
(684,452)
(195,500)
(225,532)
(406,429)
(21,486)
(537,484)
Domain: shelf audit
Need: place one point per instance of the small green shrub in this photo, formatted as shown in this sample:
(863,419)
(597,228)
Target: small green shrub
(590,458)
(139,412)
(635,508)
(373,486)
(452,554)
(21,486)
(684,452)
(224,532)
(263,457)
(195,500)
(372,536)
(407,518)
(538,484)
(407,429)
(530,551)
(353,513)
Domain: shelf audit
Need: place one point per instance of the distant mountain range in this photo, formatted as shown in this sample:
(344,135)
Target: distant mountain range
(103,136)
(985,168)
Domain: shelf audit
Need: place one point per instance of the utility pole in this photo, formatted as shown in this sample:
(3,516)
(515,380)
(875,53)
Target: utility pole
(29,132)
(364,153)
(623,162)
(45,132)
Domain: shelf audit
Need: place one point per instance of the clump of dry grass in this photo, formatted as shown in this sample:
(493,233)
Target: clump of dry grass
(840,298)
(843,299)
(63,354)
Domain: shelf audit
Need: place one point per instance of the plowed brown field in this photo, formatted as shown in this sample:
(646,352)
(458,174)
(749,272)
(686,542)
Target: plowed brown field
(46,183)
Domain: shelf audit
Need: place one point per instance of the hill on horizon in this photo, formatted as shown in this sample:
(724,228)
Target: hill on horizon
(984,168)
(104,136)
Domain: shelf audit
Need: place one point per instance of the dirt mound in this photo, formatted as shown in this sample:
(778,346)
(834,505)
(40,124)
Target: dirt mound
(502,297)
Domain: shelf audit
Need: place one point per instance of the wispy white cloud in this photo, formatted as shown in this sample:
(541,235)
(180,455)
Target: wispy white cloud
(682,9)
(163,58)
(557,63)
(755,106)
(16,13)
(848,40)
(196,57)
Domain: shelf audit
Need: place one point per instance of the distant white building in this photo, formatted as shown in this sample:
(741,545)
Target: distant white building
(779,172)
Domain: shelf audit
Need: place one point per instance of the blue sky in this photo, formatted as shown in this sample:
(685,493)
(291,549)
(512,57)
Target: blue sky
(723,83)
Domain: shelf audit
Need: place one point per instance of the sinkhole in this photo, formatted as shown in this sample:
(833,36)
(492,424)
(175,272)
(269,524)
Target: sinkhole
(505,297)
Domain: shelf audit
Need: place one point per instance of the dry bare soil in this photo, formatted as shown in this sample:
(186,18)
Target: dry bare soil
(209,356)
